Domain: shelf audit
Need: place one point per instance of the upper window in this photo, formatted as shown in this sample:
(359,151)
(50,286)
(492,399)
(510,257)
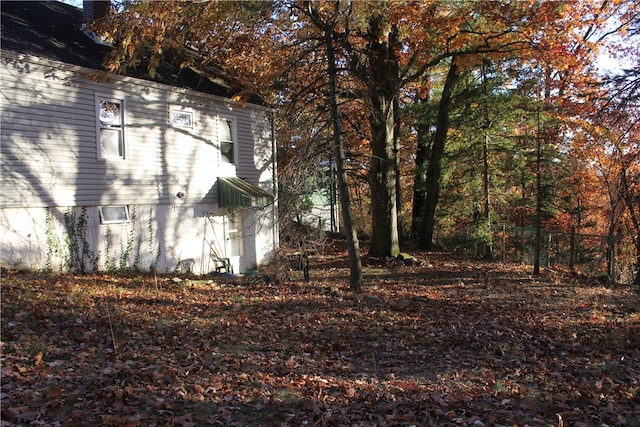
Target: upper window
(110,128)
(181,118)
(226,138)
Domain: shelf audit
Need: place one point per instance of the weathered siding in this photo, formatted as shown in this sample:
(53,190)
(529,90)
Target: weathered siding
(51,172)
(49,140)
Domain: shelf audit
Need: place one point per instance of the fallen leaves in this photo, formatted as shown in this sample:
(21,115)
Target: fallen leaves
(441,344)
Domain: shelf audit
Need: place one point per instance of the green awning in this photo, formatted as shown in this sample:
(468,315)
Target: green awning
(236,192)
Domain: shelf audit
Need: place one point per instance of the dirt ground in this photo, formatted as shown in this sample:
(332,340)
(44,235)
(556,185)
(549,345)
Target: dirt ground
(445,342)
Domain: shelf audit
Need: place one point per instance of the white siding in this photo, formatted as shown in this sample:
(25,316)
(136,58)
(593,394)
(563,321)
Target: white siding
(49,145)
(49,163)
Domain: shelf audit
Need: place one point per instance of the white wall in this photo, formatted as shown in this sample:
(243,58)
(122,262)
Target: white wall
(157,237)
(49,163)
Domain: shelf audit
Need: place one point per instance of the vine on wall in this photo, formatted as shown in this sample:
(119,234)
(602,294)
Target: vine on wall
(127,248)
(109,266)
(74,248)
(79,252)
(54,248)
(154,263)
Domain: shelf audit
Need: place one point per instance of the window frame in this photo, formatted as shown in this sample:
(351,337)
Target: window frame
(121,100)
(233,142)
(104,221)
(176,111)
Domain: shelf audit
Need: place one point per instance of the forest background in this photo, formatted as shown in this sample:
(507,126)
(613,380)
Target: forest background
(442,122)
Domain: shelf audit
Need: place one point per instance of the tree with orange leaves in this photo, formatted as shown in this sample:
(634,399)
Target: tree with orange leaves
(383,49)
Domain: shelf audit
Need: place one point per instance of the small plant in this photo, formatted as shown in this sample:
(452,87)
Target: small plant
(482,235)
(237,299)
(501,387)
(37,348)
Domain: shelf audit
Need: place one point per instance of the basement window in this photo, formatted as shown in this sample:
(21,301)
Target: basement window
(114,214)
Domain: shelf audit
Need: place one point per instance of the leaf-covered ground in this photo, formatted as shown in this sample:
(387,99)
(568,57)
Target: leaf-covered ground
(443,343)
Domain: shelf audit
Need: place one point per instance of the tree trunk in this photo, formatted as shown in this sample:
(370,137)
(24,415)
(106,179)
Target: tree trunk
(423,153)
(488,244)
(538,242)
(382,87)
(615,204)
(435,166)
(636,280)
(384,210)
(397,166)
(353,245)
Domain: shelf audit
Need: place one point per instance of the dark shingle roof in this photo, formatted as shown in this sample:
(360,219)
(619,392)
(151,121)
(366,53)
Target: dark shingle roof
(52,30)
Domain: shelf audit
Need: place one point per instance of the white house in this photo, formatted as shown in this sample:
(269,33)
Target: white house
(110,172)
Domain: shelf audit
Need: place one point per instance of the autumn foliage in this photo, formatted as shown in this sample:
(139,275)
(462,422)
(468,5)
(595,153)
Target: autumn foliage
(534,134)
(530,125)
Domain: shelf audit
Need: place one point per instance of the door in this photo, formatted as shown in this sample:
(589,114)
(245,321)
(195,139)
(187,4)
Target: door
(234,238)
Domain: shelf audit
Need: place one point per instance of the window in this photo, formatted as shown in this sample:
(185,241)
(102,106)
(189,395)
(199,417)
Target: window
(110,128)
(226,140)
(181,118)
(113,214)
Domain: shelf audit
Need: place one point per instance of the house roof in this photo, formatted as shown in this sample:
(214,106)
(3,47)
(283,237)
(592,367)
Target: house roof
(52,30)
